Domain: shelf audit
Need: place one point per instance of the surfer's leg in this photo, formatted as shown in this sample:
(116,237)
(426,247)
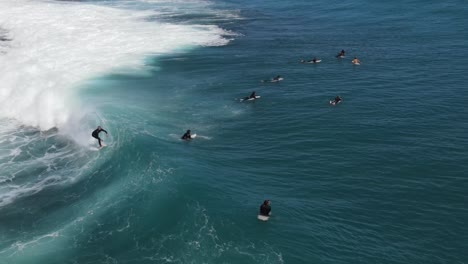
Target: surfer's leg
(98,138)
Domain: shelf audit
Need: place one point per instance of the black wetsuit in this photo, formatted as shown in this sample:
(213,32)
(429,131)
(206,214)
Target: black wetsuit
(252,96)
(265,210)
(186,136)
(95,135)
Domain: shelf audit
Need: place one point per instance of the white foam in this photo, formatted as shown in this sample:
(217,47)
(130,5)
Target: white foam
(16,192)
(55,46)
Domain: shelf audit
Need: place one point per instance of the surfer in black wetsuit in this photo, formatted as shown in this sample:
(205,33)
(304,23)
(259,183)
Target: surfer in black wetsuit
(277,78)
(337,99)
(265,208)
(253,96)
(95,134)
(187,135)
(341,54)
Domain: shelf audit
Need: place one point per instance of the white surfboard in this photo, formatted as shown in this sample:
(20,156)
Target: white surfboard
(277,80)
(256,97)
(273,80)
(102,146)
(332,102)
(250,99)
(263,218)
(311,61)
(356,63)
(192,136)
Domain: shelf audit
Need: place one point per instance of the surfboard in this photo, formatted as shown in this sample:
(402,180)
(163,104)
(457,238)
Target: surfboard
(273,81)
(256,97)
(355,63)
(310,61)
(332,102)
(317,61)
(277,80)
(263,218)
(250,99)
(192,136)
(103,145)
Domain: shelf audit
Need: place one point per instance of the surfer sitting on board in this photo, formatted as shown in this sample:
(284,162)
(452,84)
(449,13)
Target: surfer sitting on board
(356,61)
(341,54)
(95,134)
(187,135)
(265,208)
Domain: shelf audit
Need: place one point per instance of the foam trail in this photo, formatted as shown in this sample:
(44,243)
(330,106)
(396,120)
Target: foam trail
(55,46)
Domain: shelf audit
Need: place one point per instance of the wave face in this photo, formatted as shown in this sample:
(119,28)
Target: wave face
(50,52)
(54,47)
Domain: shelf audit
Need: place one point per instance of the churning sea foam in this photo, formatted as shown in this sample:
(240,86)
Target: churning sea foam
(54,46)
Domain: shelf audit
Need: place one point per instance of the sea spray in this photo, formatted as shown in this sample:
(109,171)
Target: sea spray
(54,47)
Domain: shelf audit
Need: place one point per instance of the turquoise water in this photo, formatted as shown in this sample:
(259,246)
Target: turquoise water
(379,178)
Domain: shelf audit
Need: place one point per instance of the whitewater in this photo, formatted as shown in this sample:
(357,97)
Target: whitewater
(50,50)
(55,47)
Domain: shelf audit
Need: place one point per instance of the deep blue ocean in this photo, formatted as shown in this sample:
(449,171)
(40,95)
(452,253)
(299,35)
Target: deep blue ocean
(379,178)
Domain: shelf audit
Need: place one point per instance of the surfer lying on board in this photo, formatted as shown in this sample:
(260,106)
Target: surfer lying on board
(314,60)
(95,134)
(252,96)
(187,135)
(277,78)
(265,208)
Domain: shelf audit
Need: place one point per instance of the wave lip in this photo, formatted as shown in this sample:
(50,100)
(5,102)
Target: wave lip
(53,47)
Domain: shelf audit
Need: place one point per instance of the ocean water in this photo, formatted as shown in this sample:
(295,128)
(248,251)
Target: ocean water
(379,178)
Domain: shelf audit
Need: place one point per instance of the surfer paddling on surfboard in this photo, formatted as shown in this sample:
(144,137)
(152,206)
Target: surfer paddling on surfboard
(252,96)
(95,135)
(314,60)
(278,78)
